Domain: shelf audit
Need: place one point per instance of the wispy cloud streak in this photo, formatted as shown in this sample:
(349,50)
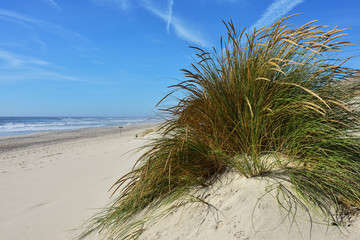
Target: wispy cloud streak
(52,4)
(120,4)
(38,75)
(16,68)
(171,3)
(181,28)
(14,60)
(43,25)
(231,1)
(276,10)
(10,59)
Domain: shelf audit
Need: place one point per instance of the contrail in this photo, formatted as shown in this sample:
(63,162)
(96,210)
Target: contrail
(171,3)
(276,10)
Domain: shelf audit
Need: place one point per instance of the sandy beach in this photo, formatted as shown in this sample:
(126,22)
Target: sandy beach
(50,183)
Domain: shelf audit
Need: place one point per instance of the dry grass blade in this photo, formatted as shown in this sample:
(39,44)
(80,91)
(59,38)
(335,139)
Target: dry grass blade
(272,92)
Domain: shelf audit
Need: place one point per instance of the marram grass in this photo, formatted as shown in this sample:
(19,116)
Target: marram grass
(275,91)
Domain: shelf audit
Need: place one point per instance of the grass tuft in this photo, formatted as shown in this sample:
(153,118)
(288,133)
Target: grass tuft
(268,102)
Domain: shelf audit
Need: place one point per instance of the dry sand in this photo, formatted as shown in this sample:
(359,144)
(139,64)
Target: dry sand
(238,209)
(50,183)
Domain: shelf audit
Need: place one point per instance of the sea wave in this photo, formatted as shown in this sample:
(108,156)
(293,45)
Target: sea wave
(10,126)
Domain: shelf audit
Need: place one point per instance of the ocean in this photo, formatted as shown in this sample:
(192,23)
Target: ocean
(12,126)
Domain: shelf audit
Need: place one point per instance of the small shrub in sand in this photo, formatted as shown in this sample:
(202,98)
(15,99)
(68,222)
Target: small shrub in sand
(274,91)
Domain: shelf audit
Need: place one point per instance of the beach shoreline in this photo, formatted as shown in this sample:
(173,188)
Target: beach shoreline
(9,143)
(52,182)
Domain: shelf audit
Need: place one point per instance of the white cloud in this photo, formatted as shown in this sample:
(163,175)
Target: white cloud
(13,15)
(171,3)
(182,29)
(237,2)
(52,4)
(37,75)
(10,59)
(16,67)
(39,42)
(58,76)
(120,4)
(37,62)
(14,60)
(231,1)
(275,11)
(44,25)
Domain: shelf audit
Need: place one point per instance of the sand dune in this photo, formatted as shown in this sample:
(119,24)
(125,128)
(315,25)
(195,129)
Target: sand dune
(238,209)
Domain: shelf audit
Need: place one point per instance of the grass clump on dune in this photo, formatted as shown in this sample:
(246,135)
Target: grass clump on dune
(275,91)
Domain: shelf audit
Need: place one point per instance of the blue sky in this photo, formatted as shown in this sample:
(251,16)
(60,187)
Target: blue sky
(117,57)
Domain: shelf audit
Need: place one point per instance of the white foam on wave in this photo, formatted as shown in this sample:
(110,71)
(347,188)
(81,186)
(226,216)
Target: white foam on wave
(18,126)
